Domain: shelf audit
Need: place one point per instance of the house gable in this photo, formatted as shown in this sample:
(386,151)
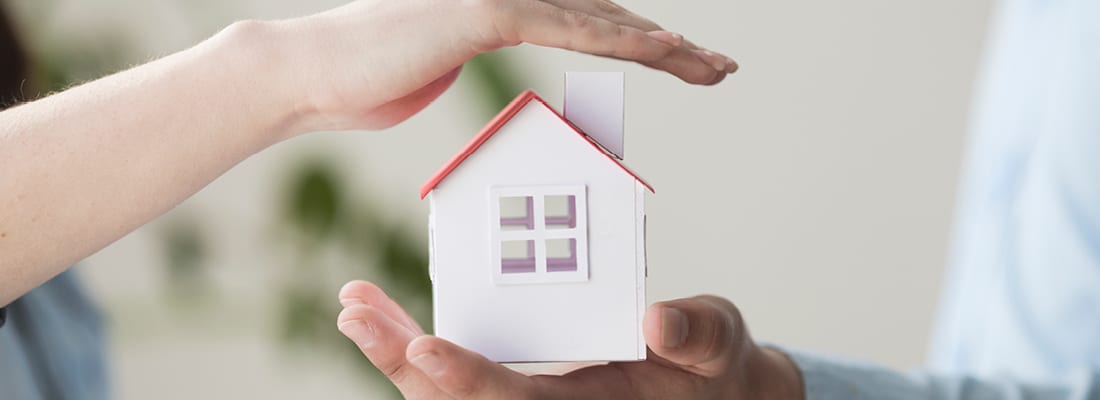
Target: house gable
(499,122)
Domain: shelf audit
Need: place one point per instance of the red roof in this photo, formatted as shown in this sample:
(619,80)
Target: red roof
(498,122)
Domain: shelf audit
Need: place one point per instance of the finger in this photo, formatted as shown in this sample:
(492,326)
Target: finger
(687,65)
(363,292)
(718,61)
(698,66)
(464,374)
(544,24)
(682,62)
(615,13)
(384,342)
(704,334)
(547,25)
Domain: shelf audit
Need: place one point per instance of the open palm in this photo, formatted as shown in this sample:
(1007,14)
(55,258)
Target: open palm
(699,349)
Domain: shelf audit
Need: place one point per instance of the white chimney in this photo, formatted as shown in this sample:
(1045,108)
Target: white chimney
(594,103)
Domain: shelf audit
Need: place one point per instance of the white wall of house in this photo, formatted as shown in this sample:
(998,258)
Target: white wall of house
(594,320)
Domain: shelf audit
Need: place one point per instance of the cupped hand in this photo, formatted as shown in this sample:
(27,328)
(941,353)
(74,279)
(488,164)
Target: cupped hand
(373,63)
(699,349)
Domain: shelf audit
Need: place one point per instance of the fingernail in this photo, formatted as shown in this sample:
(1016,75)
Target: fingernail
(666,37)
(731,65)
(358,331)
(716,61)
(430,363)
(674,328)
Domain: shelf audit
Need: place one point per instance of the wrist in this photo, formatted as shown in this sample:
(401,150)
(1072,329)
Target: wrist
(773,375)
(254,59)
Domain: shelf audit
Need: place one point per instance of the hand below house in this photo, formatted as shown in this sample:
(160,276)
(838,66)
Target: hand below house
(699,349)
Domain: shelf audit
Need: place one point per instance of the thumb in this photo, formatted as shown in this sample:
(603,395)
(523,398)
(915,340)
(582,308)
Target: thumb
(704,334)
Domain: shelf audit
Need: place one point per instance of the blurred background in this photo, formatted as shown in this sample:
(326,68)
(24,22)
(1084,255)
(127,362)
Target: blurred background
(814,188)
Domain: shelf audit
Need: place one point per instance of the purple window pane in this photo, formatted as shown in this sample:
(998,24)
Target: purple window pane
(561,212)
(517,256)
(517,266)
(561,255)
(517,213)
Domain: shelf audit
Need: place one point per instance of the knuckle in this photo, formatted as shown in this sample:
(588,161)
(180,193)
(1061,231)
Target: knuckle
(463,382)
(618,12)
(491,21)
(720,337)
(726,311)
(578,20)
(638,46)
(396,372)
(720,322)
(610,8)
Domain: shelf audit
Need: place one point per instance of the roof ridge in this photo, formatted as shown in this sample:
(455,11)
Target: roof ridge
(498,122)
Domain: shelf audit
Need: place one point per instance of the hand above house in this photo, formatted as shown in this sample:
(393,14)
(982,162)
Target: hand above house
(383,61)
(699,349)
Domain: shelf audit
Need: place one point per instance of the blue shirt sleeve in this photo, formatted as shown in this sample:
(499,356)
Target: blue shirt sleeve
(52,345)
(1022,292)
(832,379)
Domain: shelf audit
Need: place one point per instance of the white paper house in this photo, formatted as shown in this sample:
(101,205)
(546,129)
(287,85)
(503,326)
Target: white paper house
(537,238)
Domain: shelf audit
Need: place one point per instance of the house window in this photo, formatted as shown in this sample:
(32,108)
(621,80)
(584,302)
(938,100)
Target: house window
(539,234)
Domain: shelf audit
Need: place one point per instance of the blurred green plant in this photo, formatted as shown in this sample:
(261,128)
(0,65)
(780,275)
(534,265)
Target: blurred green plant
(184,251)
(317,217)
(314,201)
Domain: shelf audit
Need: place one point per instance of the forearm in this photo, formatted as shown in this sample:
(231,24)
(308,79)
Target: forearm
(82,168)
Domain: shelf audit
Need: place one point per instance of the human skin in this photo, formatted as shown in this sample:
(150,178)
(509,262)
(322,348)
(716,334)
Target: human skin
(81,168)
(699,348)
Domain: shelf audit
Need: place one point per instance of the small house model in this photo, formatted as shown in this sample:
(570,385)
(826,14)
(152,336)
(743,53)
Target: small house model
(537,233)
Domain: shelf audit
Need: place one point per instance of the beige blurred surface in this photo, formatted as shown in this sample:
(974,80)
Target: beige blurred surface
(814,188)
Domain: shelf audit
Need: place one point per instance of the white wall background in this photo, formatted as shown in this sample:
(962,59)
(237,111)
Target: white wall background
(814,188)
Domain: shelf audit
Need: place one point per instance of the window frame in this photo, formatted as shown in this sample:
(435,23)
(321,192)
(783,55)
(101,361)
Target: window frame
(540,234)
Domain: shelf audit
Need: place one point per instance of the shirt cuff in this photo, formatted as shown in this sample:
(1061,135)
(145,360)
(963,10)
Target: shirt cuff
(832,378)
(823,379)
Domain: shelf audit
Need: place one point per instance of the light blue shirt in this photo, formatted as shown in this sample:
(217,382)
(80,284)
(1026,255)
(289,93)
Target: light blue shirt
(1020,316)
(51,345)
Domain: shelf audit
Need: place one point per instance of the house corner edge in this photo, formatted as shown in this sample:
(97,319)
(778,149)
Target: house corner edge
(641,263)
